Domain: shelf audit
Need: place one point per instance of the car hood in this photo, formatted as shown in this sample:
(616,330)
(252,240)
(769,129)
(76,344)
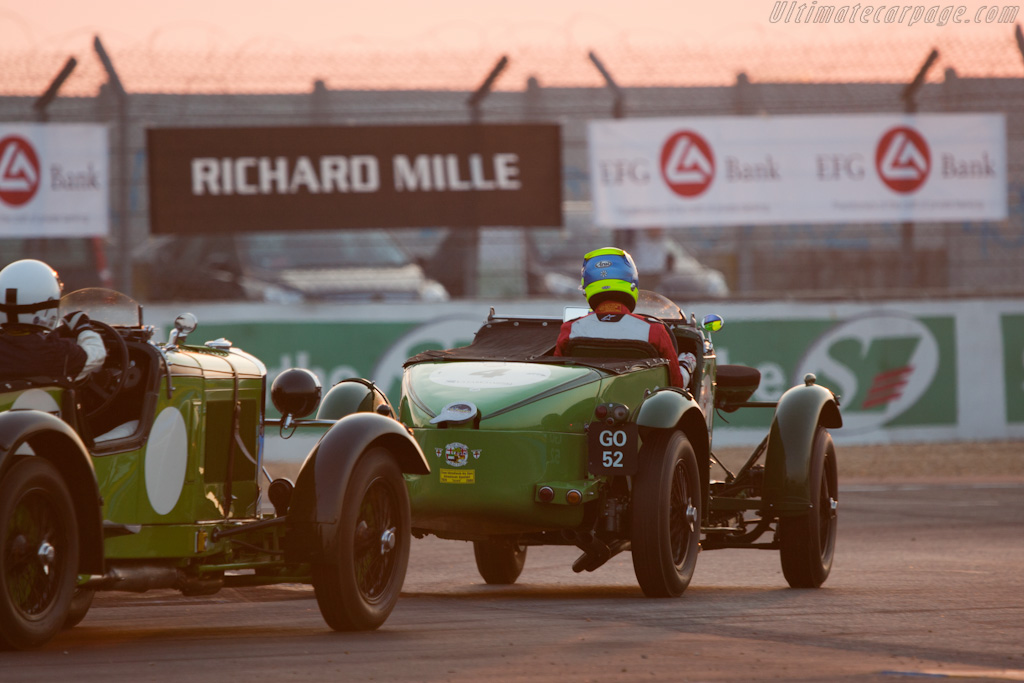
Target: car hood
(537,393)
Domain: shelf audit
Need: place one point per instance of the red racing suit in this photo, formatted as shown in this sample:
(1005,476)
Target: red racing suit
(613,320)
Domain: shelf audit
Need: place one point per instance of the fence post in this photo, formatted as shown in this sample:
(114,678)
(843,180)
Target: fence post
(123,231)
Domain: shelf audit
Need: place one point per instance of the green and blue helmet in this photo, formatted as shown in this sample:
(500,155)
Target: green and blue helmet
(610,273)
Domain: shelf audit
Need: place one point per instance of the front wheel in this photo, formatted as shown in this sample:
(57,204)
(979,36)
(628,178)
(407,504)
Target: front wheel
(38,553)
(666,515)
(499,562)
(358,587)
(808,542)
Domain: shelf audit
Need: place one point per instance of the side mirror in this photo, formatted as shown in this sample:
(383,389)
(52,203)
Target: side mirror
(295,393)
(184,325)
(713,323)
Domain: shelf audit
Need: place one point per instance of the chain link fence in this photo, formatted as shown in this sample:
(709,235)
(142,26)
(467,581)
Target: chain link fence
(257,87)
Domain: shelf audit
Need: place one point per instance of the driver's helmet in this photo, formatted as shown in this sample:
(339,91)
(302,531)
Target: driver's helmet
(30,294)
(610,273)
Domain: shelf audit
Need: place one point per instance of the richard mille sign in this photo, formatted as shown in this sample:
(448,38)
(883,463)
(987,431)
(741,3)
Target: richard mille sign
(253,179)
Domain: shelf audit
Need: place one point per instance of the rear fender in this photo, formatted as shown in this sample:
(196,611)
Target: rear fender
(670,409)
(351,396)
(790,442)
(51,438)
(323,479)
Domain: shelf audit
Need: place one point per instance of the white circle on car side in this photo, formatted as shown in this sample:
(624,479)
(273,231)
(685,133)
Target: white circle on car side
(36,399)
(489,375)
(166,457)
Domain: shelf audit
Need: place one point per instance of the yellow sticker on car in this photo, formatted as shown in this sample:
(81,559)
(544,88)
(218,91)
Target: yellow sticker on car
(458,476)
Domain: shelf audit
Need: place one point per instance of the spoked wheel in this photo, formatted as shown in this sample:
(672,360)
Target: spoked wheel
(500,562)
(38,553)
(358,585)
(807,543)
(666,515)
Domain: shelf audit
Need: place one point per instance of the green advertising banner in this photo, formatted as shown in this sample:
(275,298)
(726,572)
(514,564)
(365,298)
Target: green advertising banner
(1013,362)
(889,369)
(901,370)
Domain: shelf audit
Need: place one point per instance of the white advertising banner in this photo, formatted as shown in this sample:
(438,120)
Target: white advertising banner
(54,180)
(733,170)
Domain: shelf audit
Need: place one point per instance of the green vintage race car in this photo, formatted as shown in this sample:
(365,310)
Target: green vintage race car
(596,450)
(149,474)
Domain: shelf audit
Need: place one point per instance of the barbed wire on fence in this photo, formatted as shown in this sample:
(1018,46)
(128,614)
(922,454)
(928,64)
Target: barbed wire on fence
(270,68)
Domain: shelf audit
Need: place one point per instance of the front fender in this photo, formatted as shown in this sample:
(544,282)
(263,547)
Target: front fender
(351,396)
(323,479)
(51,438)
(791,439)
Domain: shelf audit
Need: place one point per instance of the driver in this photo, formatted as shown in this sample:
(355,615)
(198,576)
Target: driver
(31,343)
(611,284)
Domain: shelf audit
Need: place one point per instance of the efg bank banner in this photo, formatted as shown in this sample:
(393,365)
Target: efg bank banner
(54,180)
(204,180)
(678,172)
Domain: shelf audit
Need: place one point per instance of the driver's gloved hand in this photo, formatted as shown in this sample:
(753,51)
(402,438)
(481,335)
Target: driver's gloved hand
(77,321)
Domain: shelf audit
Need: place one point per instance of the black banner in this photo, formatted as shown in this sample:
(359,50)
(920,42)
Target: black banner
(204,180)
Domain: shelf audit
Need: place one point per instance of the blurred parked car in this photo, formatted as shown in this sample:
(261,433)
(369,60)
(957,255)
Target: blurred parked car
(282,267)
(81,261)
(664,265)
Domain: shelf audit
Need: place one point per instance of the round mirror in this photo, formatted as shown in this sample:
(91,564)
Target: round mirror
(185,323)
(713,323)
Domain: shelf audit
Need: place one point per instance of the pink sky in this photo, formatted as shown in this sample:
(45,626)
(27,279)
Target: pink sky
(737,31)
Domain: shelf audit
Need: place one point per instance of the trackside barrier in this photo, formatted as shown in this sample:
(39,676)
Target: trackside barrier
(906,371)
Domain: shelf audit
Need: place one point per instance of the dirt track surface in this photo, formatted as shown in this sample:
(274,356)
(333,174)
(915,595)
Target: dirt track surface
(941,462)
(927,583)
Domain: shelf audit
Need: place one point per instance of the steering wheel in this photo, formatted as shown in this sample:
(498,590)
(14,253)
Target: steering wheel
(100,387)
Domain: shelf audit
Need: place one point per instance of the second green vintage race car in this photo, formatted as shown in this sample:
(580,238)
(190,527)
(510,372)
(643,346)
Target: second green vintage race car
(148,475)
(596,450)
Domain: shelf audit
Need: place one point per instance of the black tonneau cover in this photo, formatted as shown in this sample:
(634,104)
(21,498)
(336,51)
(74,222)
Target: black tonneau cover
(526,340)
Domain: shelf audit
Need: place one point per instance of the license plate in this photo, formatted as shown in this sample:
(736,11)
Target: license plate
(613,449)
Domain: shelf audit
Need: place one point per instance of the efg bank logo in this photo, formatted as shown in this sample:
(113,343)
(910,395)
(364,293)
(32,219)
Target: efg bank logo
(880,365)
(903,159)
(19,171)
(687,163)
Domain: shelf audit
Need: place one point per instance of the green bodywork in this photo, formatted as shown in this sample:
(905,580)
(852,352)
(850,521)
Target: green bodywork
(208,455)
(531,433)
(204,382)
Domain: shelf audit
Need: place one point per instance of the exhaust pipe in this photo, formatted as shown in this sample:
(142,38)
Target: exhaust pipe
(142,578)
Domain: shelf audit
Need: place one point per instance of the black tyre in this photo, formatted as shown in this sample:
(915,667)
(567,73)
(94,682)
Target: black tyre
(500,562)
(807,543)
(81,601)
(38,553)
(357,589)
(666,515)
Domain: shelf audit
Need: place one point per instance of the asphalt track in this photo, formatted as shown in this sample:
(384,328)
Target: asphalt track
(928,582)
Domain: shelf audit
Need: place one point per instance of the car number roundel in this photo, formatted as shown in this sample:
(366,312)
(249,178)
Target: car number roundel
(612,449)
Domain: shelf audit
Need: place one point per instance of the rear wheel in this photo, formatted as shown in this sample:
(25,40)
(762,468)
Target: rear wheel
(666,515)
(807,543)
(357,588)
(38,553)
(500,562)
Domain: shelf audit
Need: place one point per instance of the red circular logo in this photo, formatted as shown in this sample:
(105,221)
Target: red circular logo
(903,159)
(687,163)
(19,171)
